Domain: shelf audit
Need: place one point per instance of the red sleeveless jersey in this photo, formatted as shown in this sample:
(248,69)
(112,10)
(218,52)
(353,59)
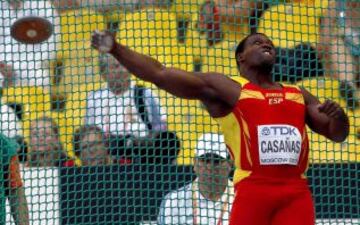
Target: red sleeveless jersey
(266,133)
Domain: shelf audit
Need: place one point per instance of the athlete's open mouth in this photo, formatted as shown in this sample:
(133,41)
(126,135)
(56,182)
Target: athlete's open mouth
(267,50)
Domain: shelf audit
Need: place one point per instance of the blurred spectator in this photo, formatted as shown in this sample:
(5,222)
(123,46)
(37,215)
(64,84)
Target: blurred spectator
(130,115)
(9,123)
(123,5)
(340,41)
(90,146)
(215,31)
(235,16)
(75,69)
(23,149)
(293,22)
(117,108)
(28,63)
(64,5)
(297,63)
(45,148)
(295,38)
(208,199)
(225,19)
(11,183)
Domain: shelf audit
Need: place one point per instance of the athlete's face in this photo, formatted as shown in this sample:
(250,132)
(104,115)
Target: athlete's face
(258,51)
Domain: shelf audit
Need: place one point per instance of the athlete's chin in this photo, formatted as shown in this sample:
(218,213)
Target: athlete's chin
(266,65)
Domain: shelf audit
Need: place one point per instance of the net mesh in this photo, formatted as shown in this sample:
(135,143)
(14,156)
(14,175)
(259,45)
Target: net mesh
(97,145)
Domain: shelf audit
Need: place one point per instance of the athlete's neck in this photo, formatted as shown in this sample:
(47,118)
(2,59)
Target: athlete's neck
(261,77)
(211,191)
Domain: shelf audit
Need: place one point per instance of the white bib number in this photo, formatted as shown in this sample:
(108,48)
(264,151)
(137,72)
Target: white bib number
(279,144)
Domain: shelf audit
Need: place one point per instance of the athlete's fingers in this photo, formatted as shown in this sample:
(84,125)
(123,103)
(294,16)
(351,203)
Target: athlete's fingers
(95,39)
(327,106)
(336,113)
(102,41)
(323,107)
(334,107)
(331,106)
(331,110)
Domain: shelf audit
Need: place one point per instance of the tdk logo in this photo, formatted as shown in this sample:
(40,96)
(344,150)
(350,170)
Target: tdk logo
(279,130)
(265,131)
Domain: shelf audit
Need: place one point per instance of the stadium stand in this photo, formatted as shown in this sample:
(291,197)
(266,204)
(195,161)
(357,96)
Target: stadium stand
(131,193)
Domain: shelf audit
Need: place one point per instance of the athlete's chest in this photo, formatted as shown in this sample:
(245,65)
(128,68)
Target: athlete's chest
(276,106)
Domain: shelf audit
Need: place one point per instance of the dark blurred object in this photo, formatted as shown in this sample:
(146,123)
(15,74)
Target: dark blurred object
(23,149)
(133,193)
(347,92)
(156,148)
(256,15)
(295,64)
(123,195)
(18,109)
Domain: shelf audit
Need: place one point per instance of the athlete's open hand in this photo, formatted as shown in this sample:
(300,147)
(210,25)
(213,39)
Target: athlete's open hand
(331,109)
(103,41)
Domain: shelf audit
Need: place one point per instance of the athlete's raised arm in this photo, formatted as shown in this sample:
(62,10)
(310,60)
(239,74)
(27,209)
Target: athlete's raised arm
(327,118)
(205,87)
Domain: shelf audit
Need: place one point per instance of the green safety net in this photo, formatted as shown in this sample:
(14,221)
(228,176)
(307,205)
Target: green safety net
(96,145)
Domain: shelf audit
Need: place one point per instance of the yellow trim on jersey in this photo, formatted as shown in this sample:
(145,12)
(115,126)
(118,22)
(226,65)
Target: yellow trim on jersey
(295,97)
(232,131)
(245,93)
(247,139)
(291,85)
(239,79)
(304,135)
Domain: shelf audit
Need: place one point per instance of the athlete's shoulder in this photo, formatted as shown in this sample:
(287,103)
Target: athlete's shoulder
(240,80)
(291,87)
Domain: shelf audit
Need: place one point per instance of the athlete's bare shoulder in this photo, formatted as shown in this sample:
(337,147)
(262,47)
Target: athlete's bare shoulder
(227,92)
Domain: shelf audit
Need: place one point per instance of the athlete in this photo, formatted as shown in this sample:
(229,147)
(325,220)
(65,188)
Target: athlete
(264,124)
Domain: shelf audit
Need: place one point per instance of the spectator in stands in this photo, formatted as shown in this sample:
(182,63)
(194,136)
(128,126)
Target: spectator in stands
(295,38)
(29,62)
(224,19)
(9,123)
(45,146)
(340,41)
(64,5)
(208,199)
(215,31)
(11,184)
(123,5)
(73,70)
(90,146)
(130,115)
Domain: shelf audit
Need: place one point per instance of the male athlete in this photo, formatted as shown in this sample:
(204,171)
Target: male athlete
(264,124)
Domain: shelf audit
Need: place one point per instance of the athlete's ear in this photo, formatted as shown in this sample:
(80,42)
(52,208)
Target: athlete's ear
(240,57)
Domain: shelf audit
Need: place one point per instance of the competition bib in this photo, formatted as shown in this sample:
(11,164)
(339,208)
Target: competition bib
(279,144)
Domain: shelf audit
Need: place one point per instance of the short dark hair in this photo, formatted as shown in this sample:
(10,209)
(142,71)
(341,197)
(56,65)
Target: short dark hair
(241,46)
